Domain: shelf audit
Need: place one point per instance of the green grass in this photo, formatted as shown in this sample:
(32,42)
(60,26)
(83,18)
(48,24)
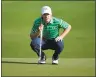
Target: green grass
(66,67)
(18,17)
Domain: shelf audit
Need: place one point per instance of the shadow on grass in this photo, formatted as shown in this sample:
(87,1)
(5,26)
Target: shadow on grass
(14,62)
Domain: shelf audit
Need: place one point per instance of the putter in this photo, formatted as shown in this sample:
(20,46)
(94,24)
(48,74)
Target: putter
(41,34)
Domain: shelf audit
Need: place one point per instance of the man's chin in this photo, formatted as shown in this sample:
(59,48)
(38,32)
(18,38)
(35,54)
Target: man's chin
(47,21)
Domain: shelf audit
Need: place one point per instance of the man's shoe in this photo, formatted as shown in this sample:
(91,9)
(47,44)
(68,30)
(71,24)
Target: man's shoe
(54,61)
(55,58)
(42,60)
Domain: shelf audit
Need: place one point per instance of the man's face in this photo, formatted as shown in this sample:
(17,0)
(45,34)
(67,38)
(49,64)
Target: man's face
(47,17)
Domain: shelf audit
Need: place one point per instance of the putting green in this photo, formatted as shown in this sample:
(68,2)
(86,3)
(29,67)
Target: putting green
(66,67)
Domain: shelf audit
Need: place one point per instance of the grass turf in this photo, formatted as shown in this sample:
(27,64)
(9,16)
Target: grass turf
(66,67)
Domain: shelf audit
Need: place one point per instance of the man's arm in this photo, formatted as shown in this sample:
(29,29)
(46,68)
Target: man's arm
(33,35)
(65,32)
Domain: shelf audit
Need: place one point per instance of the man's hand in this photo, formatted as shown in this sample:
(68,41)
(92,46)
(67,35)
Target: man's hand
(59,38)
(41,27)
(38,32)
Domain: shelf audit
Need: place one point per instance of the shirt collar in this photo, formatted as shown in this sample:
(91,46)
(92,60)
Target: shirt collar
(51,21)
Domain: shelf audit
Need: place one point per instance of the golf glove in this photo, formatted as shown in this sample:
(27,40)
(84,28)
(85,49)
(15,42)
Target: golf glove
(58,39)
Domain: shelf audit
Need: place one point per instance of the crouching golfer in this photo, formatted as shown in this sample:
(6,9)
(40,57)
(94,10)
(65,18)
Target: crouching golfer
(51,38)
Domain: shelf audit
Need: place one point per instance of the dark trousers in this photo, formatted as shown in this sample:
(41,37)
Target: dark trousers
(47,44)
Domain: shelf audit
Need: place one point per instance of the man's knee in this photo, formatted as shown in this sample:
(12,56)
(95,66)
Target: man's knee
(60,46)
(35,43)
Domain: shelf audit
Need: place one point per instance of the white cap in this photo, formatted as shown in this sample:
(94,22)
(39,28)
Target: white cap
(46,9)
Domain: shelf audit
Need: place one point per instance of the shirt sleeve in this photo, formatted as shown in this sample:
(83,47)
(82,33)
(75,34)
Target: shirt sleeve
(63,24)
(34,28)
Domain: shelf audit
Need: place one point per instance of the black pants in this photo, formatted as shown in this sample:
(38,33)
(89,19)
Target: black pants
(47,44)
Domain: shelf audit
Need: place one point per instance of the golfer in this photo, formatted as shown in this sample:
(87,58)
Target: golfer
(51,38)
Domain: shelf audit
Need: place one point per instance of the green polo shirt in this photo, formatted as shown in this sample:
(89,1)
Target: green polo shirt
(50,30)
